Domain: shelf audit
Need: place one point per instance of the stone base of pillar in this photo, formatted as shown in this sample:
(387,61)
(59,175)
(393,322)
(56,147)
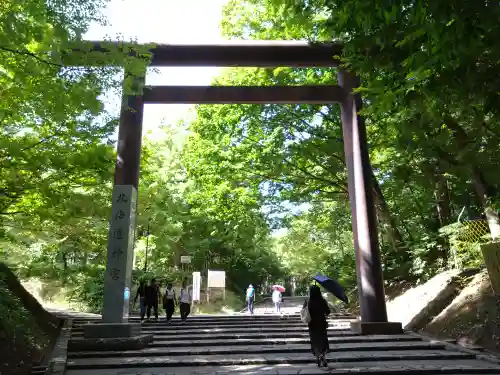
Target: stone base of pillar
(377,328)
(111,330)
(111,336)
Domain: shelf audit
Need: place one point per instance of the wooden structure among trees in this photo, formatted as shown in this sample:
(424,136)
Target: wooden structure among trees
(259,54)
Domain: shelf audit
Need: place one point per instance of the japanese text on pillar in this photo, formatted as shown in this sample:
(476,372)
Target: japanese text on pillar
(118,235)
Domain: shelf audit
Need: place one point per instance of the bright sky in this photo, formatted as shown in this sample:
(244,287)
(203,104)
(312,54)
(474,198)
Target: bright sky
(164,21)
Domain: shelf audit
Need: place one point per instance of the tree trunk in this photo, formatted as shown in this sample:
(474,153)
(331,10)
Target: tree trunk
(64,257)
(482,191)
(442,197)
(385,216)
(42,317)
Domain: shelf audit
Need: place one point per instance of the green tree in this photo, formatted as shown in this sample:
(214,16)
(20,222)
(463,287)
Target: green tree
(432,143)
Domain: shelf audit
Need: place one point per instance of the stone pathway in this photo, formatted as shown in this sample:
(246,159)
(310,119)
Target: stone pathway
(270,344)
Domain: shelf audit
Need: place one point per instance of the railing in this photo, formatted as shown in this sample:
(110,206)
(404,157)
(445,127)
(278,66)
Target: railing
(465,240)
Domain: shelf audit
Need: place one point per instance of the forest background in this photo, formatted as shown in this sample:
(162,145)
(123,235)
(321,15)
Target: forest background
(259,191)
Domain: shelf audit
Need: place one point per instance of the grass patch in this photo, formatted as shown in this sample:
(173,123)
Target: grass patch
(217,304)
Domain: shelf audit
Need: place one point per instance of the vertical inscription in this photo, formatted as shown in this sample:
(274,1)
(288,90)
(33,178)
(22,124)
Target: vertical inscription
(119,254)
(119,229)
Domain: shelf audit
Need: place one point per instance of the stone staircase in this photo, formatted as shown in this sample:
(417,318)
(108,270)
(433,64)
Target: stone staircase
(38,370)
(271,344)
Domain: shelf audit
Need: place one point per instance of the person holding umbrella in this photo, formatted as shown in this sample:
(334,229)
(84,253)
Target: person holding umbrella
(318,311)
(277,290)
(331,286)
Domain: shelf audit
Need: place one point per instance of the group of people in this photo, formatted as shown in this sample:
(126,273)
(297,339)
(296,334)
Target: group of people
(276,297)
(150,296)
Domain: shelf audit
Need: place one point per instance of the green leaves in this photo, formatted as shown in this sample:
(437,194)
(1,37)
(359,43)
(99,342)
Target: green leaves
(430,85)
(192,210)
(422,64)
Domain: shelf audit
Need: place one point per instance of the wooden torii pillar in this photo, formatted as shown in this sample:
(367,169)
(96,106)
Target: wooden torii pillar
(241,54)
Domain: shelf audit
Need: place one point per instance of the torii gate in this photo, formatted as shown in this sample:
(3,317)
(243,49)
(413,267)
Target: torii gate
(240,54)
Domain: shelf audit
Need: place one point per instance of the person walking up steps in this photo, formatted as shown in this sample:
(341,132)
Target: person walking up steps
(185,301)
(141,294)
(152,298)
(169,302)
(277,300)
(318,311)
(250,298)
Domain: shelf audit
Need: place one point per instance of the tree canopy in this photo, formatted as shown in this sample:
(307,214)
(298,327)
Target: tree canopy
(259,191)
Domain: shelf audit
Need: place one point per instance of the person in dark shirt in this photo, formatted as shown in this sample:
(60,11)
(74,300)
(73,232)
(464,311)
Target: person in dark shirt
(141,294)
(318,311)
(152,298)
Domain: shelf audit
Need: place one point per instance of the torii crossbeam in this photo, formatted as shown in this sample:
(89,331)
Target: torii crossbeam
(237,54)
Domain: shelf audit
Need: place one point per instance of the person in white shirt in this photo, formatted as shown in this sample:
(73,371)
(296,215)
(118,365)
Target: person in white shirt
(277,300)
(169,302)
(250,296)
(185,300)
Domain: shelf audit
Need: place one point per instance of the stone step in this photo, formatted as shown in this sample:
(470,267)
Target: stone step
(180,342)
(257,359)
(230,318)
(232,336)
(416,367)
(247,349)
(210,323)
(162,322)
(159,343)
(197,329)
(38,371)
(224,318)
(38,367)
(189,328)
(224,336)
(165,330)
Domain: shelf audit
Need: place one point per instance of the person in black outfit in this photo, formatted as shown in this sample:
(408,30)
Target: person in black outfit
(184,300)
(141,294)
(152,298)
(318,310)
(169,301)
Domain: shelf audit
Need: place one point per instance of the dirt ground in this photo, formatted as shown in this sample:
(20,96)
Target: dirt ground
(473,317)
(19,354)
(18,358)
(448,307)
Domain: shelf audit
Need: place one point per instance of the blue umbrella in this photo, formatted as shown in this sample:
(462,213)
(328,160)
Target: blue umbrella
(332,286)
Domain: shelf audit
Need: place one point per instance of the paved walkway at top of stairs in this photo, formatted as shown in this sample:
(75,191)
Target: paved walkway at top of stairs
(289,305)
(251,345)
